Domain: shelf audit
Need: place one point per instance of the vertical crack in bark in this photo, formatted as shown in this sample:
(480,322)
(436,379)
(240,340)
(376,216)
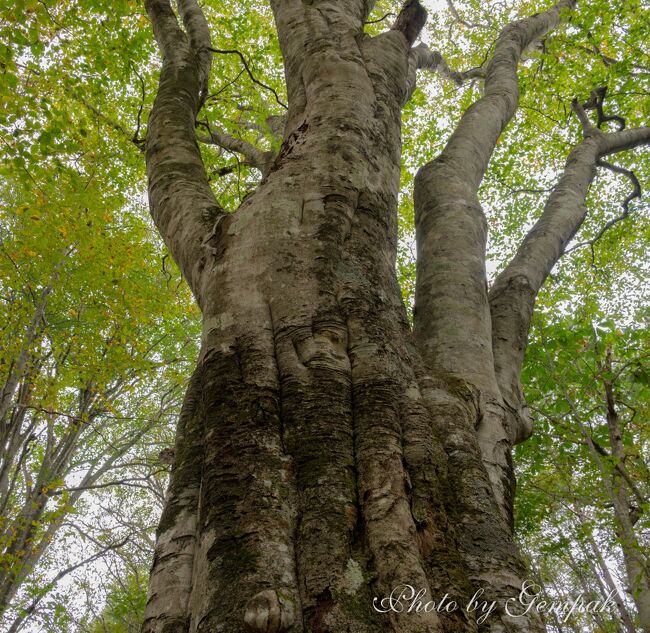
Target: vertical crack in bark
(380,378)
(357,533)
(296,523)
(426,465)
(490,560)
(245,560)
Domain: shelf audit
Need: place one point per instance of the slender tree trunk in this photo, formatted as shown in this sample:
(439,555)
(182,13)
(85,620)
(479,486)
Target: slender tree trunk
(598,566)
(588,590)
(636,561)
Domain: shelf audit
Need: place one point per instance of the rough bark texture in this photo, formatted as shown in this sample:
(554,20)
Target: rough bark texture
(322,460)
(451,297)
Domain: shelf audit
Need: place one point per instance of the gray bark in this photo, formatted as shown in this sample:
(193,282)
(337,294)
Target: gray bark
(512,296)
(325,455)
(451,290)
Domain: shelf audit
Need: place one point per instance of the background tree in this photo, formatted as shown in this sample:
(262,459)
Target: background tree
(91,370)
(95,333)
(588,460)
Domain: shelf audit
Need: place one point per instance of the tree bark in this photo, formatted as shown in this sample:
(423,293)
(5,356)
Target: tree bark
(451,296)
(323,458)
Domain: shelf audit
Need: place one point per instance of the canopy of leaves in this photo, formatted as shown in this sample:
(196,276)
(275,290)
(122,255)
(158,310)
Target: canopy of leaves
(97,333)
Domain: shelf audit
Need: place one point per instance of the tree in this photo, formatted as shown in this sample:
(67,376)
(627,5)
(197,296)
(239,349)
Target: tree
(591,430)
(124,610)
(327,452)
(78,80)
(88,374)
(95,334)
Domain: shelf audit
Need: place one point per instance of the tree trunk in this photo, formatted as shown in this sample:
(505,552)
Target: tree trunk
(318,464)
(312,471)
(636,561)
(326,457)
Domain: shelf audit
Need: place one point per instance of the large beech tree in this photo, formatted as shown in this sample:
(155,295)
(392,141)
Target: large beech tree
(329,450)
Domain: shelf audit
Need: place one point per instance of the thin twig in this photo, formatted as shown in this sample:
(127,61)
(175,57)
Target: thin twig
(595,102)
(136,135)
(456,15)
(214,95)
(250,74)
(388,15)
(636,193)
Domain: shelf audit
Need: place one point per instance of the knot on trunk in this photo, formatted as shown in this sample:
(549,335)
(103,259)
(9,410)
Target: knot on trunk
(268,612)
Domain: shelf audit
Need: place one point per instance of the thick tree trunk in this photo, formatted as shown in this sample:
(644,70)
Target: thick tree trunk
(319,464)
(312,472)
(322,461)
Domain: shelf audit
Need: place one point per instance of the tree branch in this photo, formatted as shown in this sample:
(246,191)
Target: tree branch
(249,73)
(181,202)
(422,57)
(513,294)
(450,224)
(198,32)
(29,610)
(118,127)
(410,20)
(171,39)
(136,135)
(451,233)
(595,102)
(381,19)
(460,20)
(254,157)
(635,193)
(583,117)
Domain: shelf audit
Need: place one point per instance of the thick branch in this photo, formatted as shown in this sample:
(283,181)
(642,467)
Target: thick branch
(180,199)
(411,20)
(473,141)
(450,224)
(198,33)
(303,28)
(513,294)
(452,316)
(195,24)
(166,30)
